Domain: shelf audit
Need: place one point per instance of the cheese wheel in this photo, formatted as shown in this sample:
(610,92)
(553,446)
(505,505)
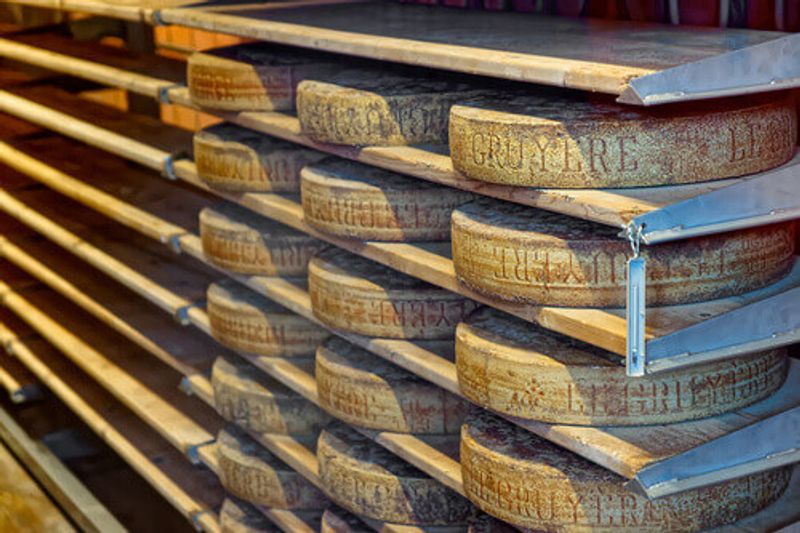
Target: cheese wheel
(355,294)
(247,470)
(370,481)
(246,321)
(517,253)
(241,241)
(349,199)
(486,524)
(252,77)
(238,516)
(523,479)
(248,397)
(379,107)
(362,389)
(340,521)
(523,370)
(230,158)
(551,140)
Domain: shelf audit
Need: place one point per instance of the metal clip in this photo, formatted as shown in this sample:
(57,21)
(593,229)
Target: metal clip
(168,168)
(635,309)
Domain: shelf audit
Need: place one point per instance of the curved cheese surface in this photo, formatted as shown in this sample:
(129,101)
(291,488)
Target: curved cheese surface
(244,320)
(231,158)
(517,253)
(241,241)
(358,295)
(248,397)
(349,199)
(523,479)
(370,481)
(238,516)
(379,107)
(252,77)
(250,472)
(523,370)
(362,389)
(552,140)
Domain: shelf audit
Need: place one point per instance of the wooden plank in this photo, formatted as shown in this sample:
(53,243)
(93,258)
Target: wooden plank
(587,54)
(191,491)
(20,384)
(132,10)
(150,390)
(59,482)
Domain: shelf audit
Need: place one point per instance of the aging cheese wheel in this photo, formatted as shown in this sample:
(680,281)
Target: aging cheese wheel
(523,370)
(523,479)
(238,516)
(517,253)
(553,141)
(230,158)
(338,520)
(247,470)
(379,107)
(355,294)
(370,481)
(362,389)
(244,320)
(248,397)
(252,77)
(241,241)
(353,200)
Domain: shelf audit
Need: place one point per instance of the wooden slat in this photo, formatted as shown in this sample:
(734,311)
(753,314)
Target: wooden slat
(148,389)
(190,490)
(61,484)
(593,55)
(21,385)
(131,10)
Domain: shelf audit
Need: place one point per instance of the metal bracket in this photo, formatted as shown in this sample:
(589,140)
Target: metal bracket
(769,443)
(168,168)
(192,453)
(636,307)
(765,198)
(769,66)
(769,323)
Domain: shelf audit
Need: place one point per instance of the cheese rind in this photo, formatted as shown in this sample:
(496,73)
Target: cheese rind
(525,480)
(349,199)
(246,396)
(231,158)
(521,369)
(362,389)
(241,241)
(237,516)
(552,140)
(340,521)
(245,321)
(370,481)
(252,77)
(355,294)
(250,472)
(516,253)
(379,107)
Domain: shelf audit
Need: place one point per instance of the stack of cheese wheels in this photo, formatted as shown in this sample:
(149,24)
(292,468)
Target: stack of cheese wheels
(248,397)
(550,140)
(238,516)
(245,321)
(349,199)
(523,370)
(253,77)
(241,241)
(370,481)
(380,107)
(362,389)
(355,294)
(250,472)
(230,158)
(525,480)
(518,253)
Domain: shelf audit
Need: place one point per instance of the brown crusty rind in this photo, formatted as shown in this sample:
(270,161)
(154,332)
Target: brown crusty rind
(515,253)
(563,142)
(523,479)
(523,370)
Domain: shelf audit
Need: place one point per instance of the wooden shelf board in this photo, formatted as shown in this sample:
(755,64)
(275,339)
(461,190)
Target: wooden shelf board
(130,10)
(190,490)
(587,54)
(17,380)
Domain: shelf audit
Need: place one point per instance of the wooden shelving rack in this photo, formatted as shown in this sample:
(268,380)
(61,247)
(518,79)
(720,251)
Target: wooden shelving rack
(102,244)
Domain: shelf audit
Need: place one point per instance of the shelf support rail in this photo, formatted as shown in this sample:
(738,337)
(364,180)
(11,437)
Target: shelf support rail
(770,443)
